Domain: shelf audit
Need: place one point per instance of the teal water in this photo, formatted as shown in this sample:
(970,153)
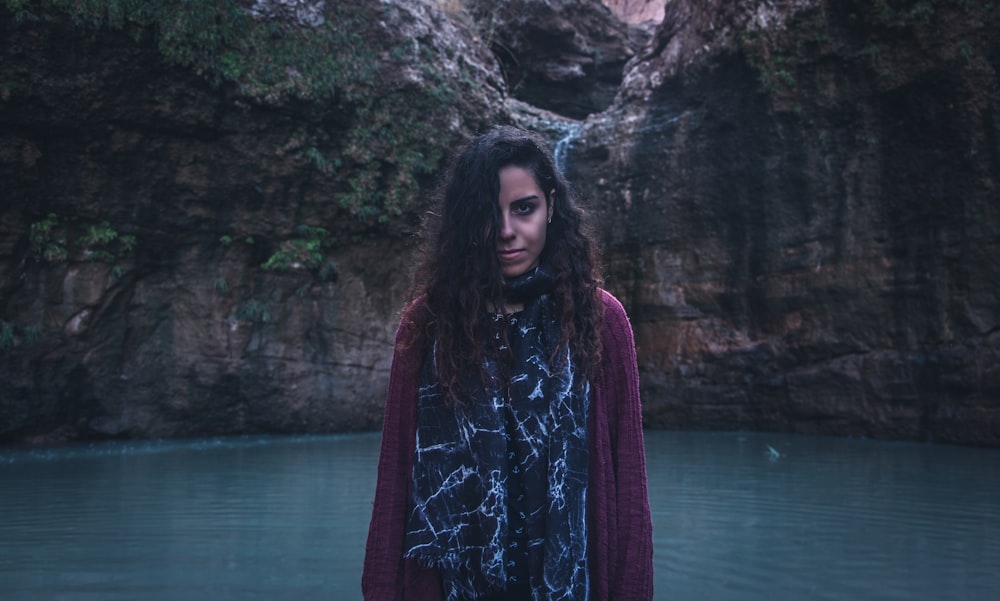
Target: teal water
(737,516)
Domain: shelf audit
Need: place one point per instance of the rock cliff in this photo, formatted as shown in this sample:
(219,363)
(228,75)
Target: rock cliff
(208,216)
(207,219)
(565,56)
(799,206)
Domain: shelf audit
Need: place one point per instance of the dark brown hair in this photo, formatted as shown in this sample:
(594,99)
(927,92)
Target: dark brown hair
(460,279)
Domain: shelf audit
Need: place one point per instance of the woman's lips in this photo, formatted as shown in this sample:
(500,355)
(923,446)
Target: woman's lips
(508,255)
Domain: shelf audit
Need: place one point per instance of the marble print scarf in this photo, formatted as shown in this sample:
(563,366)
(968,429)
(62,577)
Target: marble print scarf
(458,523)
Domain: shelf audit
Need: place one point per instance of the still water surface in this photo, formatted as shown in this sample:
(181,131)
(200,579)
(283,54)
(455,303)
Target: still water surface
(737,517)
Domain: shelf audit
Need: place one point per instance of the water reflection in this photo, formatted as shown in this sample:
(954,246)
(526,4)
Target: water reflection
(736,517)
(826,519)
(238,519)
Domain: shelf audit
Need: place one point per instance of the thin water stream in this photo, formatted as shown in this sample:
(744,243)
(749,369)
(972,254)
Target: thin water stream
(737,516)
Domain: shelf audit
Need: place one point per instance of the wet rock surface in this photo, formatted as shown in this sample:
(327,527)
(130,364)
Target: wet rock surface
(797,205)
(565,56)
(806,240)
(180,330)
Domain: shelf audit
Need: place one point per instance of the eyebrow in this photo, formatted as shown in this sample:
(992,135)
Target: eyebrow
(522,199)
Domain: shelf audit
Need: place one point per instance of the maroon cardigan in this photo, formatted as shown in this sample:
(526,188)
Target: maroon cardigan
(619,529)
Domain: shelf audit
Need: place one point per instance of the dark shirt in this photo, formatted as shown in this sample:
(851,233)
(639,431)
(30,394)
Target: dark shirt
(527,454)
(619,528)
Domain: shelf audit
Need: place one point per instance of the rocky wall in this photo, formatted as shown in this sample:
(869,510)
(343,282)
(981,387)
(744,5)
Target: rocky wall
(799,208)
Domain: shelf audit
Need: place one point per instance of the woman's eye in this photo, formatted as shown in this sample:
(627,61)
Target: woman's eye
(524,208)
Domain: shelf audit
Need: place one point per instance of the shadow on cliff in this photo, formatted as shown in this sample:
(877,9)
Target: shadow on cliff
(818,255)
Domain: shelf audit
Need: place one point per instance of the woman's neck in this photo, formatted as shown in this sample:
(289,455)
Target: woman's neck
(506,308)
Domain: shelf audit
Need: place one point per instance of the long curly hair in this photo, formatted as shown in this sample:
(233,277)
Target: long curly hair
(460,279)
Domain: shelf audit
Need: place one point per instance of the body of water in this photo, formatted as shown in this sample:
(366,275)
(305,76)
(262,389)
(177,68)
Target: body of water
(737,516)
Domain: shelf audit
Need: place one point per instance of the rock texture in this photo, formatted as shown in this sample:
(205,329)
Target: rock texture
(638,11)
(565,56)
(799,207)
(142,198)
(207,222)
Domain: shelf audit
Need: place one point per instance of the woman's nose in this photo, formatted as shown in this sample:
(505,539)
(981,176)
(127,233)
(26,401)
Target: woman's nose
(506,231)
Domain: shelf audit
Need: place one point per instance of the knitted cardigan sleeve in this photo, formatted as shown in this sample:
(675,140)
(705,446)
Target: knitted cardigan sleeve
(632,576)
(624,570)
(387,576)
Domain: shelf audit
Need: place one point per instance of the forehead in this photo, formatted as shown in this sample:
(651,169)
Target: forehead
(518,182)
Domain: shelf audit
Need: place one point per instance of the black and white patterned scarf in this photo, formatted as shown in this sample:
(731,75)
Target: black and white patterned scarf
(458,522)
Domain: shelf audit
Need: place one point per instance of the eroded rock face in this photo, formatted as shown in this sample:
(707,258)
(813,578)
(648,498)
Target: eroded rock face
(797,203)
(565,56)
(799,209)
(638,11)
(179,330)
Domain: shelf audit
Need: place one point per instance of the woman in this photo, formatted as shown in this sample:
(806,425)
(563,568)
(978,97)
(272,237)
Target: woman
(512,463)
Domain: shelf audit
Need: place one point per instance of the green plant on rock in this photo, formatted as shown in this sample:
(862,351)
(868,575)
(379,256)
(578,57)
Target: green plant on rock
(399,130)
(965,51)
(46,245)
(322,164)
(224,40)
(903,13)
(100,241)
(254,312)
(126,243)
(98,235)
(97,239)
(33,334)
(774,63)
(305,251)
(970,5)
(7,339)
(328,272)
(12,335)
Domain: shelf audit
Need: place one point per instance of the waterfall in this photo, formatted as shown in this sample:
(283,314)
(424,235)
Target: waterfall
(570,131)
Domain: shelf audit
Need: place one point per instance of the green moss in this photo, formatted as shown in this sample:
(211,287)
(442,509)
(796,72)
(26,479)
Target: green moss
(305,251)
(903,13)
(48,240)
(966,52)
(33,334)
(774,64)
(13,335)
(46,243)
(99,234)
(254,312)
(97,242)
(397,130)
(271,59)
(868,30)
(126,243)
(7,339)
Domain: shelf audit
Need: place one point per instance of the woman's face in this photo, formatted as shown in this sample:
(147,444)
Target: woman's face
(524,215)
